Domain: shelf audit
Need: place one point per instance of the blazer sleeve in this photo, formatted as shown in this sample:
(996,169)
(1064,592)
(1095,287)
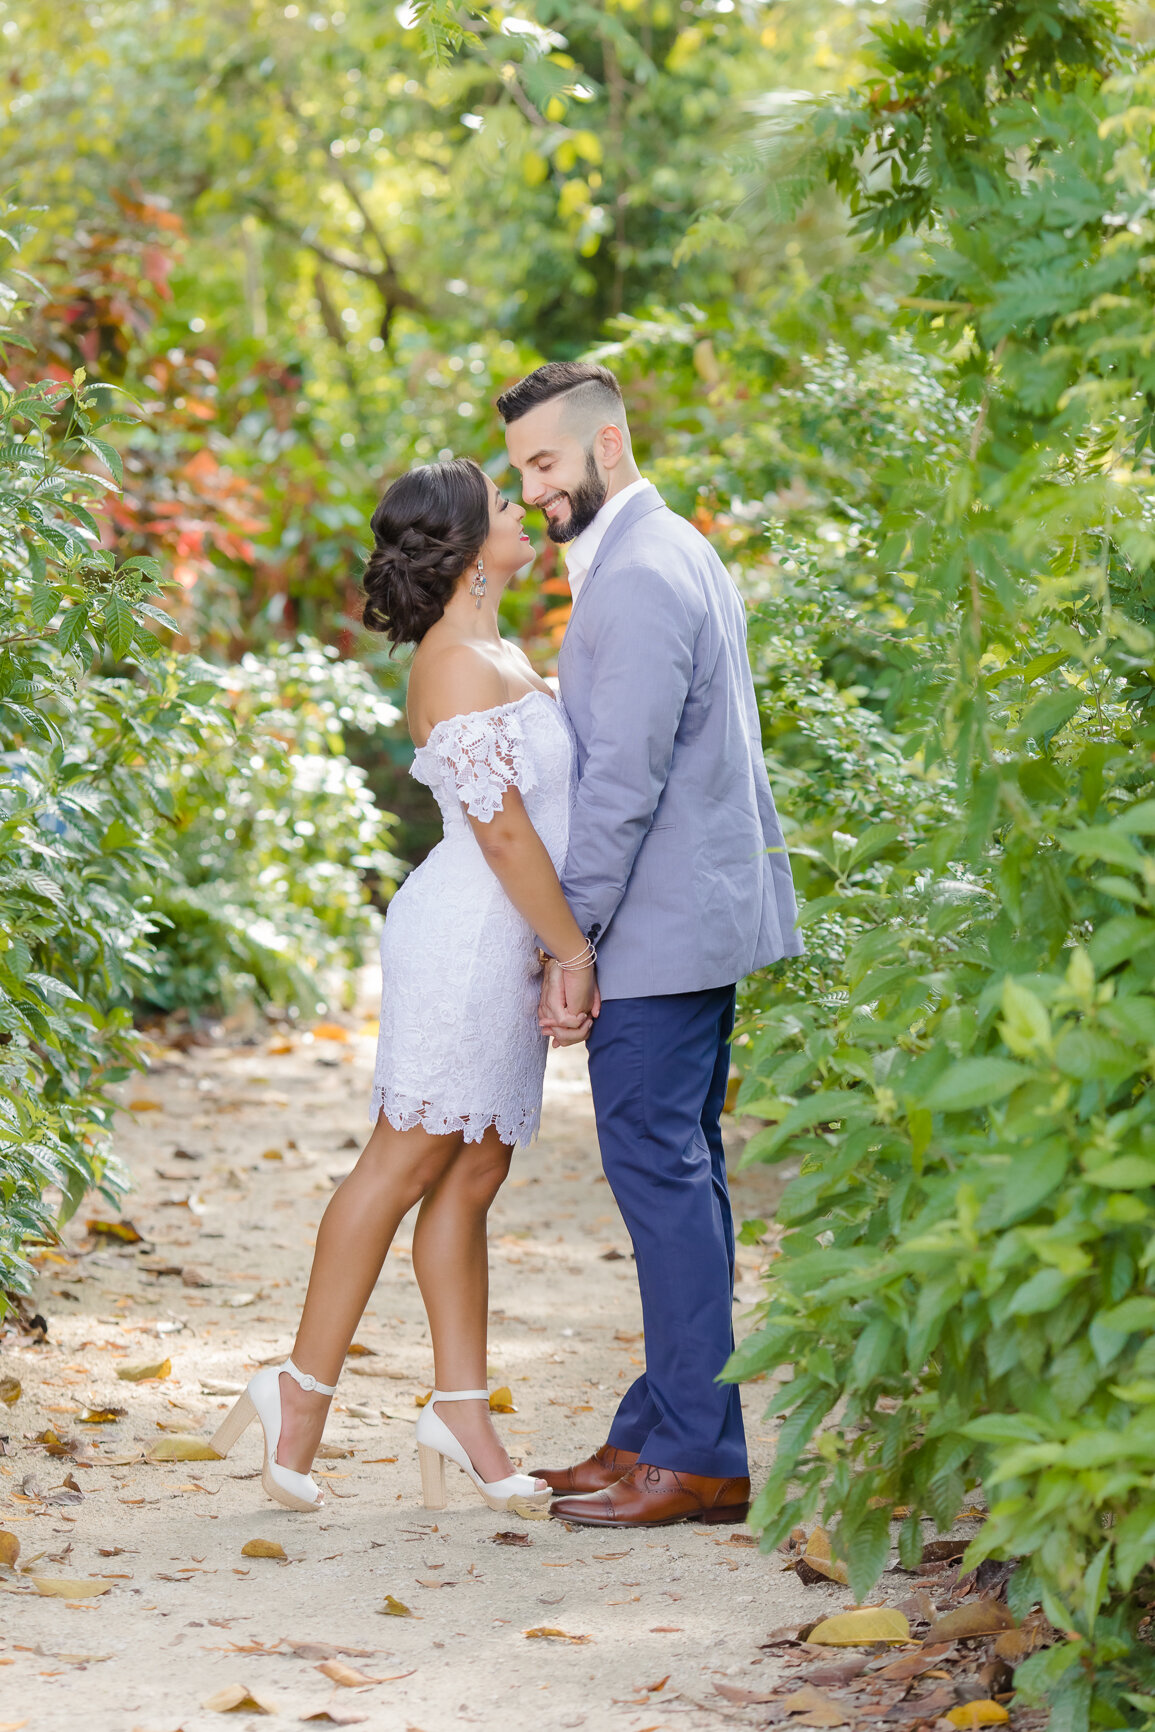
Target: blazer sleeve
(639,640)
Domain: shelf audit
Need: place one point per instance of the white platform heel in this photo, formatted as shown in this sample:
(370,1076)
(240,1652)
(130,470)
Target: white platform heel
(262,1400)
(436,1445)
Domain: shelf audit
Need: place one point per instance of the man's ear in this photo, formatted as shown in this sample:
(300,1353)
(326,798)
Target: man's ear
(611,446)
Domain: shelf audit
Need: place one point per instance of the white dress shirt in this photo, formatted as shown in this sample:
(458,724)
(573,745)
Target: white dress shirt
(582,550)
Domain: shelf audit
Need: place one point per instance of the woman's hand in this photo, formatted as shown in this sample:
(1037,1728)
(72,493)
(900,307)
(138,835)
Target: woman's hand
(570,1001)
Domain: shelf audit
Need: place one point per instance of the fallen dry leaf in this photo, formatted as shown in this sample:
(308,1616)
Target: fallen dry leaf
(122,1230)
(859,1628)
(977,1714)
(159,1368)
(812,1708)
(501,1400)
(101,1415)
(68,1587)
(555,1635)
(973,1618)
(9,1548)
(743,1698)
(1014,1645)
(914,1665)
(263,1549)
(145,1104)
(349,1676)
(329,1031)
(11,1389)
(358,1350)
(182,1448)
(336,1715)
(235,1696)
(394,1608)
(333,1452)
(191,1276)
(818,1561)
(512,1537)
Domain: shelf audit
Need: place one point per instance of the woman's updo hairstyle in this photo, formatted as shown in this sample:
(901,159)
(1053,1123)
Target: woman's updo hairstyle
(431,523)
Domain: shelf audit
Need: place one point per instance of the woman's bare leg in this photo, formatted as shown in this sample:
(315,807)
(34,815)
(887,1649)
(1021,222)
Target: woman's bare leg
(395,1169)
(451,1263)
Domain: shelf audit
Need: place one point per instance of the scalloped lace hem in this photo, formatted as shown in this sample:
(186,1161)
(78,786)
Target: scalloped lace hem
(405,1113)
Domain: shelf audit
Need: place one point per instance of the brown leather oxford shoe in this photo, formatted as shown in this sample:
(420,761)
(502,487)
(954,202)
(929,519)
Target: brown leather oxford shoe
(599,1470)
(654,1497)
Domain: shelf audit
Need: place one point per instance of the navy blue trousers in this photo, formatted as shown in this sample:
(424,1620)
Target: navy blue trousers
(658,1068)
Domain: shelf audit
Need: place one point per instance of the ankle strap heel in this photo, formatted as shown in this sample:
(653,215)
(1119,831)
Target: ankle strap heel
(306,1381)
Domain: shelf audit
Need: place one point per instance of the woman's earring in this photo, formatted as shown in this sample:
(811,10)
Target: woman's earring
(477,587)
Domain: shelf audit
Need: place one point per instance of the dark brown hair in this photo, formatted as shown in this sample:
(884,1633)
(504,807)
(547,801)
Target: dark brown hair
(553,380)
(429,525)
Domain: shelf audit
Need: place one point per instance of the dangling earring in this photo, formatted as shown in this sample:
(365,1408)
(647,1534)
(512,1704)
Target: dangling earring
(477,587)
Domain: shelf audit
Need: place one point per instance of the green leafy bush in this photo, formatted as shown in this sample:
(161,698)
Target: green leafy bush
(274,833)
(964,1070)
(92,710)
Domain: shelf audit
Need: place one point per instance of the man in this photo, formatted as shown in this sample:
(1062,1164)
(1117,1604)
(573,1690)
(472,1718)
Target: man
(677,873)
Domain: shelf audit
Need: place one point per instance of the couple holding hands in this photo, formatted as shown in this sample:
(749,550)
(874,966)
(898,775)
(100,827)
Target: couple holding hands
(612,865)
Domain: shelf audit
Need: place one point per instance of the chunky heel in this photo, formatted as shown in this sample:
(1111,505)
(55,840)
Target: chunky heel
(262,1400)
(239,1417)
(436,1445)
(432,1465)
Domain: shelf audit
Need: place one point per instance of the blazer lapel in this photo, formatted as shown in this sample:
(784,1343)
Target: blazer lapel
(639,506)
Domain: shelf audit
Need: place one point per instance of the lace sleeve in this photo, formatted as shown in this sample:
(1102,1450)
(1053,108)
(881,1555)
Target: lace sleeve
(483,755)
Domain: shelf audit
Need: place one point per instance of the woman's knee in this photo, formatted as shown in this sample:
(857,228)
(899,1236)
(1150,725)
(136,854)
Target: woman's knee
(479,1174)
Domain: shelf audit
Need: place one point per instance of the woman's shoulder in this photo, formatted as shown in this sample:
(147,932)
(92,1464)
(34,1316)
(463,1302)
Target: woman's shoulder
(449,680)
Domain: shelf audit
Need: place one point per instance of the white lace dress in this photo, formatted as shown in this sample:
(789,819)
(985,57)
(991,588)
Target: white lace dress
(459,1047)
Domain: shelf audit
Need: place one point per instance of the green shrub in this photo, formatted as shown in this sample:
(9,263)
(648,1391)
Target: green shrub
(264,895)
(965,1275)
(92,711)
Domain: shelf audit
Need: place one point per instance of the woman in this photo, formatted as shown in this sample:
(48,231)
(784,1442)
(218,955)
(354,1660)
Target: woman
(461,1057)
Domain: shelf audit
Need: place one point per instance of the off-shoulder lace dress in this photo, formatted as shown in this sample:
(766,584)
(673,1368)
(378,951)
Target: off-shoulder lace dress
(459,1048)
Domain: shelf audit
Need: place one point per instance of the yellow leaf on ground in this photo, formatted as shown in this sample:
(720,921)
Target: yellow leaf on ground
(69,1587)
(279,1046)
(349,1676)
(358,1350)
(122,1230)
(182,1448)
(11,1389)
(394,1608)
(821,1559)
(972,1618)
(235,1696)
(144,1104)
(813,1708)
(262,1549)
(978,1714)
(501,1400)
(329,1031)
(101,1415)
(422,1400)
(859,1628)
(272,1154)
(141,1373)
(548,1631)
(9,1548)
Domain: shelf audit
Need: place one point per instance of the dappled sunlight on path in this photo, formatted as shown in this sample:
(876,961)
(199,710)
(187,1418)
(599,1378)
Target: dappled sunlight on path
(234,1151)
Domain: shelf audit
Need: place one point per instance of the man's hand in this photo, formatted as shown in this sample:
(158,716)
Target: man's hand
(569,1002)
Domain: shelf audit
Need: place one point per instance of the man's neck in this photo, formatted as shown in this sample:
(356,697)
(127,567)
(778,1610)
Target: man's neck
(621,477)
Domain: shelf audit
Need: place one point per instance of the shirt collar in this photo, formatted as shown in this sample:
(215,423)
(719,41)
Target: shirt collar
(582,550)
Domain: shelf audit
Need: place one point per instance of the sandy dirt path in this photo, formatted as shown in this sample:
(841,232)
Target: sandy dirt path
(265,1131)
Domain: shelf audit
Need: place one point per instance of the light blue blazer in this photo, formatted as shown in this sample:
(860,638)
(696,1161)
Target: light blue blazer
(676,866)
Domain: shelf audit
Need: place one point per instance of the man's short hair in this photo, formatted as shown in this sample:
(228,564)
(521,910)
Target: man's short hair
(590,384)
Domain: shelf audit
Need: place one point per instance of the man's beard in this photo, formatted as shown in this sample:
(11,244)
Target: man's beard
(585,501)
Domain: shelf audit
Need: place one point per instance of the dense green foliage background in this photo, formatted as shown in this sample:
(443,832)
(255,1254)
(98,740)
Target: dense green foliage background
(878,281)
